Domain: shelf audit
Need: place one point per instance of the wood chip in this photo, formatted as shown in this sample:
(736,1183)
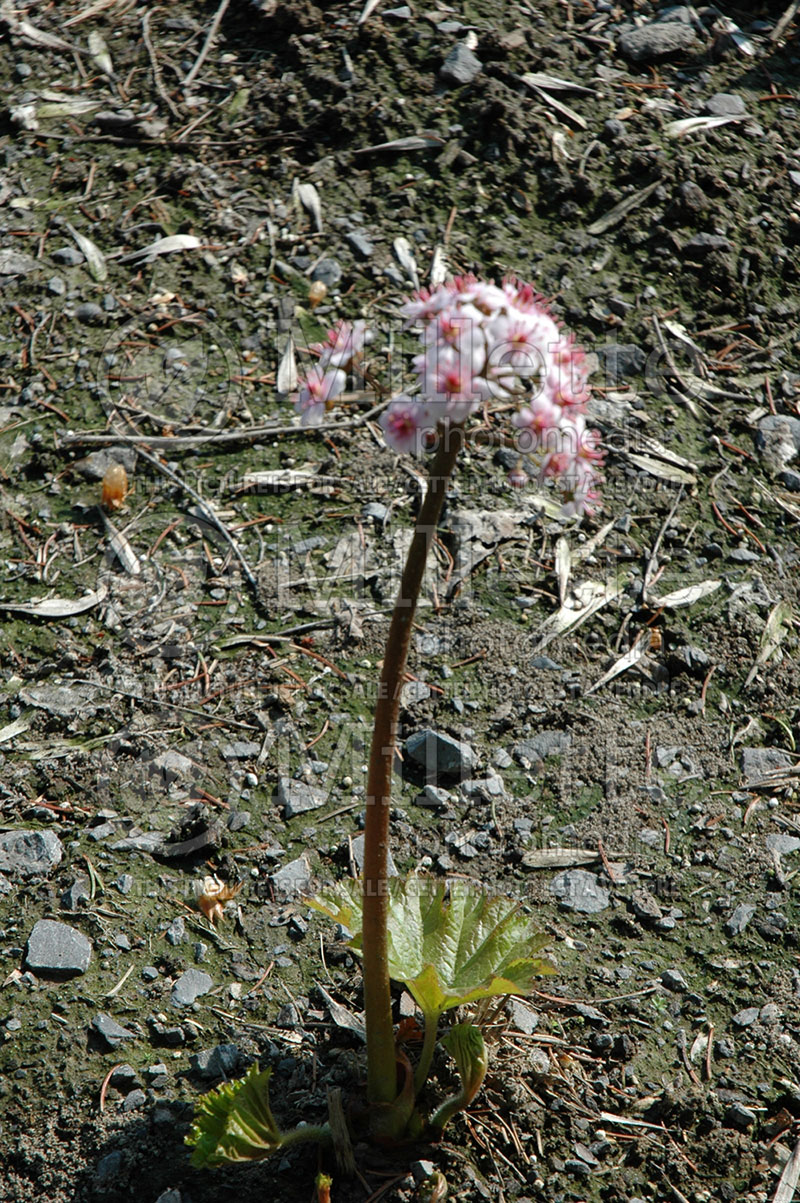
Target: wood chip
(615,215)
(58,607)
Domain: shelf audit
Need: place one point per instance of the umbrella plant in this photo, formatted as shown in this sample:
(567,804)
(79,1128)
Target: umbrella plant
(483,349)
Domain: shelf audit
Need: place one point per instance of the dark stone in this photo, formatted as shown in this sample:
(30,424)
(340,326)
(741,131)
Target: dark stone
(440,755)
(110,1032)
(622,359)
(29,853)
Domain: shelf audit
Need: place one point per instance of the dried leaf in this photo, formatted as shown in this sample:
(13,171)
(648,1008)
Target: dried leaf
(98,49)
(307,196)
(343,1018)
(631,657)
(622,209)
(438,273)
(93,255)
(368,10)
(685,597)
(561,108)
(661,470)
(563,566)
(558,858)
(279,478)
(778,626)
(405,257)
(11,730)
(415,142)
(287,369)
(122,549)
(588,598)
(58,607)
(787,1183)
(693,125)
(165,246)
(540,79)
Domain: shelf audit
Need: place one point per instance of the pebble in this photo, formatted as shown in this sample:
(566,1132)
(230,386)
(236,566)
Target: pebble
(327,272)
(297,798)
(542,745)
(241,749)
(70,256)
(434,797)
(744,1018)
(56,286)
(176,932)
(440,755)
(704,244)
(76,893)
(659,39)
(360,244)
(759,762)
(29,853)
(110,1032)
(171,766)
(782,845)
(189,986)
(357,845)
(108,1168)
(622,359)
(522,1017)
(222,1061)
(740,918)
(673,979)
(725,104)
(579,890)
(645,907)
(292,879)
(460,67)
(134,1100)
(58,949)
(739,1117)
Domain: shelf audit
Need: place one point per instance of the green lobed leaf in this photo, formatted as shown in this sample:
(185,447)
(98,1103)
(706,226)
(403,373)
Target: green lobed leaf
(447,950)
(234,1122)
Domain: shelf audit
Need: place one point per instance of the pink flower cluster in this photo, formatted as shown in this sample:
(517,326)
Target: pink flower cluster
(328,377)
(480,343)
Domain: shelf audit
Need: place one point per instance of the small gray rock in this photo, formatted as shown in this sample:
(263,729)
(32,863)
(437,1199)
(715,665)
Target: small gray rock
(660,39)
(725,104)
(222,1061)
(357,845)
(704,244)
(189,986)
(673,979)
(58,949)
(134,1100)
(740,918)
(782,844)
(543,744)
(522,1017)
(109,1168)
(16,263)
(460,67)
(440,755)
(645,907)
(241,749)
(110,1032)
(70,256)
(292,879)
(176,932)
(297,798)
(90,314)
(360,244)
(170,1196)
(62,701)
(744,1018)
(328,271)
(78,892)
(579,890)
(622,359)
(739,1117)
(760,762)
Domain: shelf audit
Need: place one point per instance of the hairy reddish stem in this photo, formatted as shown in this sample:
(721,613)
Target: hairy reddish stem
(381,1062)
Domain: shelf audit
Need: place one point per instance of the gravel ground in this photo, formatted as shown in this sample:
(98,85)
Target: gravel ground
(187,674)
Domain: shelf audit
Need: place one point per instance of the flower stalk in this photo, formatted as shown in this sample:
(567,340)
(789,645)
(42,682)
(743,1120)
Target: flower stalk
(381,1073)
